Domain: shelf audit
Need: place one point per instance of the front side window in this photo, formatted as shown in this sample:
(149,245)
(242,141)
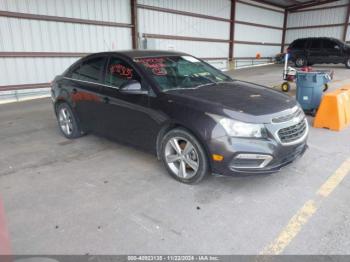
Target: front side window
(119,72)
(90,70)
(329,44)
(175,72)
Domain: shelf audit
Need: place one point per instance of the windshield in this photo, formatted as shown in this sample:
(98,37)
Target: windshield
(181,72)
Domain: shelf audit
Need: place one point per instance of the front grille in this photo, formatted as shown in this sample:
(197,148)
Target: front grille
(292,133)
(287,118)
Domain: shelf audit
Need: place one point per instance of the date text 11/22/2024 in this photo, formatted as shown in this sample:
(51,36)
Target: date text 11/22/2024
(173,258)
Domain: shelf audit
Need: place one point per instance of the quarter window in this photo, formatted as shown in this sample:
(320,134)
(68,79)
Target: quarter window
(300,44)
(119,72)
(89,70)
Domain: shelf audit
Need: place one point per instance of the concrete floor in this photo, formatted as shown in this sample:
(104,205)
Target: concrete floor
(93,196)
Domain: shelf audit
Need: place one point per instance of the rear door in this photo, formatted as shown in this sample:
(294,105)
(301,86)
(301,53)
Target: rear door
(86,79)
(333,51)
(315,51)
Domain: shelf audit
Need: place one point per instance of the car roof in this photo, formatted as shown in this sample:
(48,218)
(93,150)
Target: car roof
(311,38)
(142,53)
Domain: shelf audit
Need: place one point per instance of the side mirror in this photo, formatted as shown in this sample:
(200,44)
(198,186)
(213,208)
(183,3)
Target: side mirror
(132,87)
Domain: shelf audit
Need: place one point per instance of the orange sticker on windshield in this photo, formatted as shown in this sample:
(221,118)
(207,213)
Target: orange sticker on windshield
(156,65)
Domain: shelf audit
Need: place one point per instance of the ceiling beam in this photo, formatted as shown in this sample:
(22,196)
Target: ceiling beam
(310,4)
(269,3)
(295,2)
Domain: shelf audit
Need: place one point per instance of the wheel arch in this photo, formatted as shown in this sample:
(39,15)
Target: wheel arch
(172,125)
(59,101)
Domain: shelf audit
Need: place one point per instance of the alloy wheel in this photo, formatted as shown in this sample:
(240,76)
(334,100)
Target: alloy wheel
(300,62)
(65,121)
(181,157)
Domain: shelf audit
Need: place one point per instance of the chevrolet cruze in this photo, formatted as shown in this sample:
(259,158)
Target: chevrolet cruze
(193,117)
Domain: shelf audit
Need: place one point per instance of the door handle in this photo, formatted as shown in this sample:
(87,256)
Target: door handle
(75,91)
(106,100)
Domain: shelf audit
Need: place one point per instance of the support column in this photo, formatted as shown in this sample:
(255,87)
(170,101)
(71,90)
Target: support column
(134,33)
(232,32)
(284,30)
(346,24)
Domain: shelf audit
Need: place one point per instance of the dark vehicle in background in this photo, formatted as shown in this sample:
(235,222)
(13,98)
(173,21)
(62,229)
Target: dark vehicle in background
(196,119)
(319,50)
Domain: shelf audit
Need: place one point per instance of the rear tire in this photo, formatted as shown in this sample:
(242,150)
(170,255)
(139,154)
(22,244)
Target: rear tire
(68,121)
(300,61)
(184,157)
(347,63)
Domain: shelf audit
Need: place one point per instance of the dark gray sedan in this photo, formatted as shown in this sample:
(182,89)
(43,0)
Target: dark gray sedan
(193,117)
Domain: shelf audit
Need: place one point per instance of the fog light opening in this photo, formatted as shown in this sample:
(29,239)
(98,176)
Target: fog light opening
(251,161)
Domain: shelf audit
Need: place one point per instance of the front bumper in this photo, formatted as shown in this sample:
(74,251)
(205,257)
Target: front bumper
(281,157)
(255,156)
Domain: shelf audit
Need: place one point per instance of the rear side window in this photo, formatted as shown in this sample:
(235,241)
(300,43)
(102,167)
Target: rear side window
(89,70)
(316,44)
(298,44)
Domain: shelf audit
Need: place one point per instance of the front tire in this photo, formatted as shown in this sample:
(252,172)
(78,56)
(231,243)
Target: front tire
(300,61)
(184,157)
(68,122)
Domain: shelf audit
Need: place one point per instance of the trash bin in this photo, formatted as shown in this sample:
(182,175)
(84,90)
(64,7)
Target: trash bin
(310,86)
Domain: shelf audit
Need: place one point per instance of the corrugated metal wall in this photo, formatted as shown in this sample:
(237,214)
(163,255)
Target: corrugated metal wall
(23,34)
(307,18)
(28,35)
(251,33)
(269,39)
(202,29)
(105,10)
(162,23)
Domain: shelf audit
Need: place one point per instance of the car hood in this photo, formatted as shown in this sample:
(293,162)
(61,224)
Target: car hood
(239,100)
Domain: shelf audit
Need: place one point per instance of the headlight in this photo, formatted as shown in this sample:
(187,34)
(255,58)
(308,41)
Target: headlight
(240,129)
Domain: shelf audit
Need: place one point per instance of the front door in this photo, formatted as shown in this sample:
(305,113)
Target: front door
(333,51)
(127,117)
